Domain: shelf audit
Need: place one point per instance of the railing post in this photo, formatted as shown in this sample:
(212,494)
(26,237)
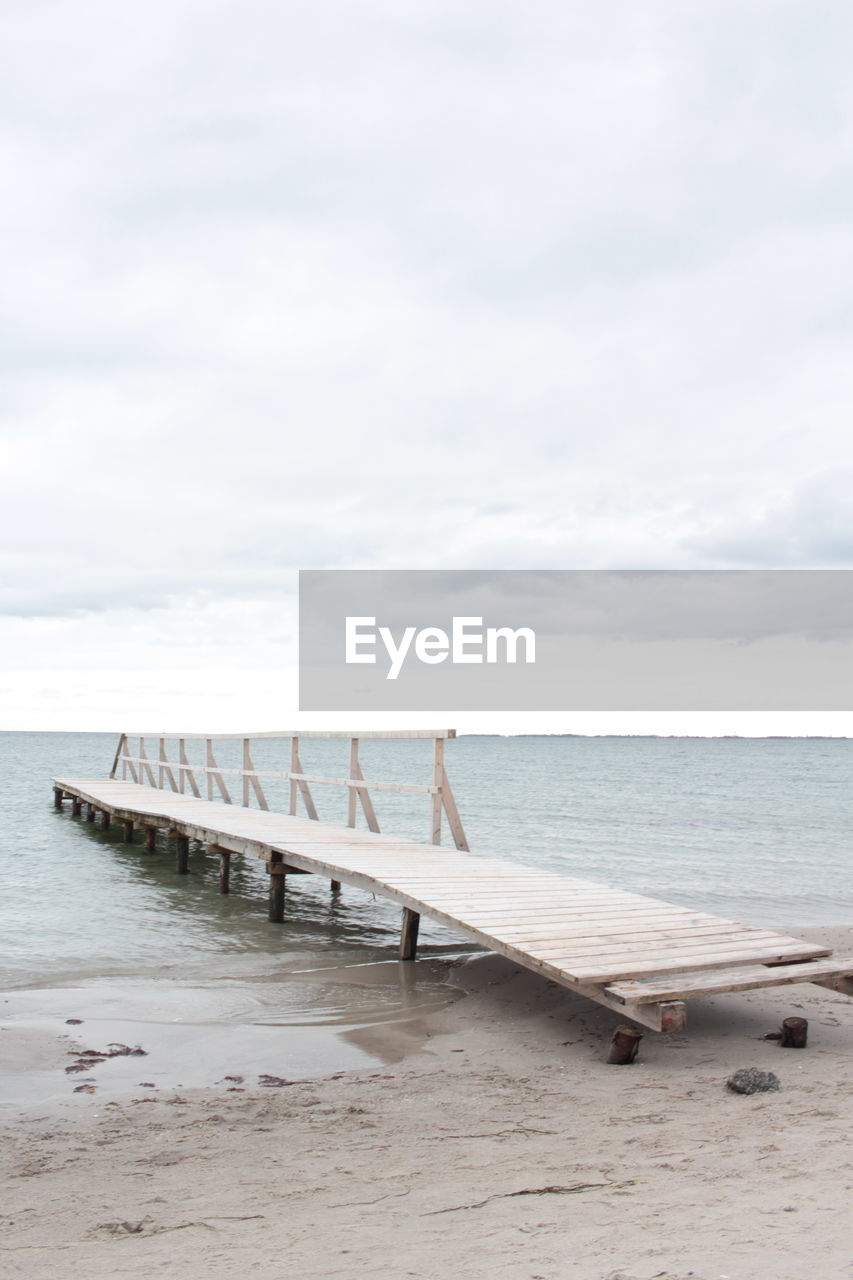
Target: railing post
(294,761)
(304,789)
(185,770)
(353,773)
(122,740)
(144,765)
(363,794)
(250,778)
(437,779)
(166,773)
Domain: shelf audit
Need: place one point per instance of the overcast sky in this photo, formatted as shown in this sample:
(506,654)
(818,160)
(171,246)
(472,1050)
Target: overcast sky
(402,285)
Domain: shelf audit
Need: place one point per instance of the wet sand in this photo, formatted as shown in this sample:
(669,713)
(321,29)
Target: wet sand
(500,1145)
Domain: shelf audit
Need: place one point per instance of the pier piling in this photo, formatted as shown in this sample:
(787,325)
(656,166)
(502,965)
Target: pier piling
(409,934)
(182,855)
(276,871)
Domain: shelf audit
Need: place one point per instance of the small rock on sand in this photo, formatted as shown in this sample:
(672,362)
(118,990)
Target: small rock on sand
(752,1080)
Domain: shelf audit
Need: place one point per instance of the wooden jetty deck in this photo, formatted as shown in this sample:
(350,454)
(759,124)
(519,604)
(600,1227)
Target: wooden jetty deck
(639,956)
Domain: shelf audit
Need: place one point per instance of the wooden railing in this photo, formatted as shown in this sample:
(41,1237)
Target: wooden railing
(179,774)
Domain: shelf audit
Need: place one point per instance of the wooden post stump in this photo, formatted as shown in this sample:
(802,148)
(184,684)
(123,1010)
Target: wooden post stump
(57,798)
(795,1033)
(277,886)
(335,886)
(150,839)
(128,832)
(409,934)
(224,871)
(182,856)
(624,1046)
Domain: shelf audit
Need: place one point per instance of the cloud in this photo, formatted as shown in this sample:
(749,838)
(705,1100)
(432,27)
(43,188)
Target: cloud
(811,525)
(411,285)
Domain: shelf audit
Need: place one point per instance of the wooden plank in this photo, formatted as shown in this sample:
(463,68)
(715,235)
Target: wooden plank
(495,905)
(605,974)
(685,987)
(685,944)
(640,938)
(601,959)
(523,913)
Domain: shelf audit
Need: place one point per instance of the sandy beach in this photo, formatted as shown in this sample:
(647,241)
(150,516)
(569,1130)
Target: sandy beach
(501,1145)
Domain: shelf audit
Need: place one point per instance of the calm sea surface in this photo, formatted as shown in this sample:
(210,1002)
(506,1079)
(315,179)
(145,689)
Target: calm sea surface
(757,830)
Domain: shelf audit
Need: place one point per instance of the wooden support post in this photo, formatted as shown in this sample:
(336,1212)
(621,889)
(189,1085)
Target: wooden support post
(409,934)
(185,772)
(120,749)
(182,858)
(150,839)
(90,811)
(224,871)
(277,883)
(353,773)
(76,806)
(795,1033)
(105,819)
(624,1046)
(247,764)
(437,779)
(57,798)
(362,792)
(128,833)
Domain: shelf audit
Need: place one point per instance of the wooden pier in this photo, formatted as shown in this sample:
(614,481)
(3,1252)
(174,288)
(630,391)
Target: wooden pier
(639,956)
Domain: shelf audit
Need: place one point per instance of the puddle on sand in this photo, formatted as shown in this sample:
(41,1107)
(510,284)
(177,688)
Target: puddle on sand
(294,1025)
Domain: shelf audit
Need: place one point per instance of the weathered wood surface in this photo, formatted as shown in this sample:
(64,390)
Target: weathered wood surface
(632,953)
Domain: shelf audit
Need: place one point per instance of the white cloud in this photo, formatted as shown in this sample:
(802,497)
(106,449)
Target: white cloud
(409,284)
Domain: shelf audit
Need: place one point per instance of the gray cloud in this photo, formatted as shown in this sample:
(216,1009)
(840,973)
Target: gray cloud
(409,285)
